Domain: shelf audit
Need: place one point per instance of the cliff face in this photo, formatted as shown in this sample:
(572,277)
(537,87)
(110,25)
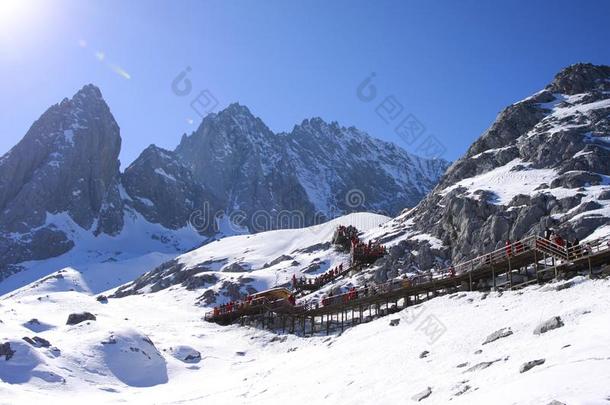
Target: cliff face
(318,170)
(543,163)
(66,163)
(232,175)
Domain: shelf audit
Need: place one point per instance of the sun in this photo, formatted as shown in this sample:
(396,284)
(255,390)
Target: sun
(20,22)
(13,12)
(19,17)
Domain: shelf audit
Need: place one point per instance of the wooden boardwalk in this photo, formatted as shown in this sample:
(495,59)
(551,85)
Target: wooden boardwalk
(531,260)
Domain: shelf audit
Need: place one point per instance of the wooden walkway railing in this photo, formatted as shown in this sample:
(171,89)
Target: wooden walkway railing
(532,251)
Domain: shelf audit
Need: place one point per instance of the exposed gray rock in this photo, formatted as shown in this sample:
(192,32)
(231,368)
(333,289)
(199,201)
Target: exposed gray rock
(277,260)
(530,364)
(164,191)
(77,318)
(230,151)
(172,273)
(422,395)
(37,341)
(394,322)
(186,354)
(424,354)
(6,351)
(234,268)
(66,163)
(550,324)
(482,365)
(471,222)
(499,334)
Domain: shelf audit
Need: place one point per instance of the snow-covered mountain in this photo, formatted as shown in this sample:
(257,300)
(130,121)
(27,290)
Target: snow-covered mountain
(61,184)
(231,267)
(154,347)
(544,163)
(316,172)
(67,164)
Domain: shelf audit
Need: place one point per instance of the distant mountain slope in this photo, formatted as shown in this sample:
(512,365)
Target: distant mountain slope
(318,170)
(231,267)
(61,184)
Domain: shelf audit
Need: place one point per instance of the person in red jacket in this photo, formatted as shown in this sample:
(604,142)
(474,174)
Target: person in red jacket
(294,281)
(559,241)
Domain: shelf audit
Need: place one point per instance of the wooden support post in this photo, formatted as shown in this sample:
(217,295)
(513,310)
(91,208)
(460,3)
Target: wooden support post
(360,318)
(493,276)
(536,267)
(342,312)
(470,281)
(509,274)
(590,268)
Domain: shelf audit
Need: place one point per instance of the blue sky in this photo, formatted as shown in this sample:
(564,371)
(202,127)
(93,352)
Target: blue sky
(452,65)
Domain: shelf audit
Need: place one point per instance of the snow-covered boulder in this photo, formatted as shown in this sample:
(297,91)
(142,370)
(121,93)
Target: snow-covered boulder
(23,363)
(186,354)
(133,358)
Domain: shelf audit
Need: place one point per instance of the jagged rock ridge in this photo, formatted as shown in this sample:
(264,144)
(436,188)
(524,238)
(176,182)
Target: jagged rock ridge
(543,163)
(63,178)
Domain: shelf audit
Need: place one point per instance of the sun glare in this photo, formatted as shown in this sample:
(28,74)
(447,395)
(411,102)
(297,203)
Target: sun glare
(13,12)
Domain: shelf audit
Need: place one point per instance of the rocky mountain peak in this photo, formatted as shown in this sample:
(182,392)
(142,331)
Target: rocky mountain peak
(581,78)
(65,166)
(543,163)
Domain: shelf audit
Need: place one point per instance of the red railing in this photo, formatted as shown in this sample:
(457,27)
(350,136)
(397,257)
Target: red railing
(502,255)
(314,283)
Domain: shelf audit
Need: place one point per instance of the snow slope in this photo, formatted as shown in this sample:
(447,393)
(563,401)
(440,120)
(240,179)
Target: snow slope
(227,268)
(134,352)
(108,261)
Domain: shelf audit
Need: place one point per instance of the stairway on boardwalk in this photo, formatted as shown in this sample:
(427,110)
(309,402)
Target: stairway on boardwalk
(309,285)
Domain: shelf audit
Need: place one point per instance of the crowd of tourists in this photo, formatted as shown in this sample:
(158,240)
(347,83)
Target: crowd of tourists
(322,279)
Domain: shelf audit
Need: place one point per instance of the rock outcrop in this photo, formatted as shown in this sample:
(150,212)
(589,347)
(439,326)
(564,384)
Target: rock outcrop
(316,172)
(65,169)
(544,163)
(232,175)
